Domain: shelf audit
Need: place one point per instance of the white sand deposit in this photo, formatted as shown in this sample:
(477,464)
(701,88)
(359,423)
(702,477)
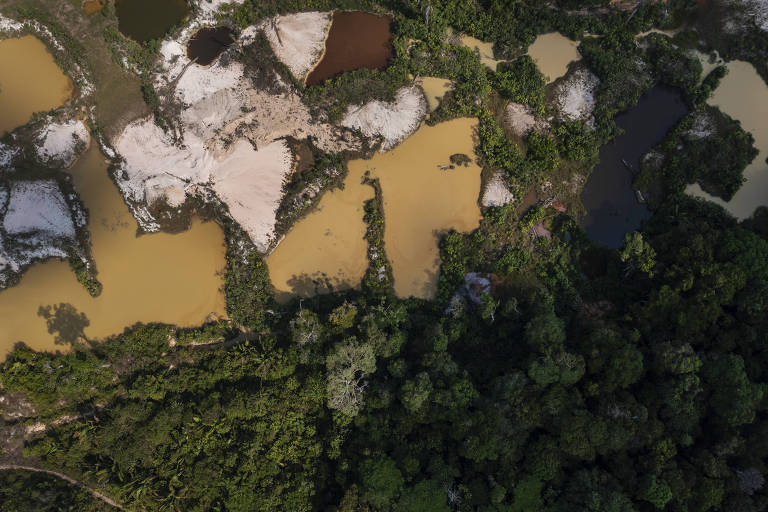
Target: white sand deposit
(521,120)
(393,121)
(575,95)
(703,126)
(38,207)
(199,82)
(209,7)
(298,40)
(7,153)
(250,182)
(62,142)
(758,9)
(496,192)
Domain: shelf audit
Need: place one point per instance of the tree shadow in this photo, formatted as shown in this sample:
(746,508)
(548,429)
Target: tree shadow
(65,322)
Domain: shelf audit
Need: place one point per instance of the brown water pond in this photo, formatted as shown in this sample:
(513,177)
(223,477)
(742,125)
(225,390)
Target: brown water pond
(553,52)
(208,43)
(326,250)
(30,81)
(743,95)
(93,6)
(144,20)
(152,278)
(356,40)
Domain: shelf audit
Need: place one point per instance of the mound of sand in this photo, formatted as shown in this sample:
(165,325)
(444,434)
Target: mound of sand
(253,192)
(38,207)
(393,121)
(575,95)
(62,143)
(298,40)
(521,120)
(496,192)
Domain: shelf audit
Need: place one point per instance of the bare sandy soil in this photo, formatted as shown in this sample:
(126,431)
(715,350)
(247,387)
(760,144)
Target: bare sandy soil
(393,121)
(298,40)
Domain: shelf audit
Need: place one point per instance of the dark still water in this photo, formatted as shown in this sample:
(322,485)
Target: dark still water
(611,203)
(356,40)
(208,43)
(144,20)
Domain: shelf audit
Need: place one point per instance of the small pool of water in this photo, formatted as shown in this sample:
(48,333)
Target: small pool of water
(553,52)
(144,20)
(30,81)
(208,43)
(356,40)
(93,6)
(608,196)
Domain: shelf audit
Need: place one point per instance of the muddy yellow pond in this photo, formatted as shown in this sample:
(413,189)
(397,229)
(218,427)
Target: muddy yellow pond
(485,49)
(151,278)
(552,53)
(30,81)
(422,199)
(434,89)
(326,250)
(743,95)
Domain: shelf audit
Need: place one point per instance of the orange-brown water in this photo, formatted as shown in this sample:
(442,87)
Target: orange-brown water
(30,81)
(151,278)
(420,202)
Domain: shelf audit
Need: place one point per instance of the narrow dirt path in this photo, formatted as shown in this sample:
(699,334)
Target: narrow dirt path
(95,494)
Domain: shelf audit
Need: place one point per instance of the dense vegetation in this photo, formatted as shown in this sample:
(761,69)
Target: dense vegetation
(547,375)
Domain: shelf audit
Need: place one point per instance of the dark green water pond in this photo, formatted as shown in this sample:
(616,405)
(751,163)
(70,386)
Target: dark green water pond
(144,20)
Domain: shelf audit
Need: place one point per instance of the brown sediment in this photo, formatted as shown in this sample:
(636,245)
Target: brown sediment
(355,40)
(30,81)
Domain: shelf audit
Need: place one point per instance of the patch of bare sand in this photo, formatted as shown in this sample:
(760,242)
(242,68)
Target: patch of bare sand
(393,121)
(521,120)
(298,40)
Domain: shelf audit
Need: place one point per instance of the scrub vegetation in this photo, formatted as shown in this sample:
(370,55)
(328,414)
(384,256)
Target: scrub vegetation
(549,373)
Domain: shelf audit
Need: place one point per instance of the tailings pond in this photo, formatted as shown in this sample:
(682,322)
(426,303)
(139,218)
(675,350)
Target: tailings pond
(208,43)
(30,81)
(552,53)
(743,95)
(356,40)
(608,196)
(326,250)
(144,20)
(151,278)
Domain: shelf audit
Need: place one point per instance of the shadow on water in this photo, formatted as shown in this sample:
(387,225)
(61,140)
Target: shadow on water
(208,43)
(65,323)
(144,20)
(356,40)
(611,203)
(306,285)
